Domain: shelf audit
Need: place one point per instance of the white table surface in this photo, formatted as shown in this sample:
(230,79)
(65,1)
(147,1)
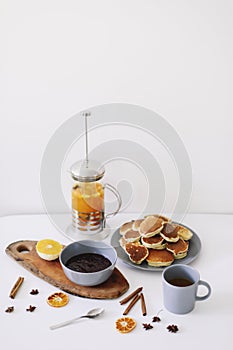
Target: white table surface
(209,325)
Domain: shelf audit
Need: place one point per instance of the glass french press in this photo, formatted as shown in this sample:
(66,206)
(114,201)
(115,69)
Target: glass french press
(88,192)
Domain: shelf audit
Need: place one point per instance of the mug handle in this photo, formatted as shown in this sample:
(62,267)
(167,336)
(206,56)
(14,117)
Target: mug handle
(204,297)
(118,197)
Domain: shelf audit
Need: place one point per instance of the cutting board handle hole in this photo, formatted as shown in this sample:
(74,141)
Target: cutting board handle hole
(22,249)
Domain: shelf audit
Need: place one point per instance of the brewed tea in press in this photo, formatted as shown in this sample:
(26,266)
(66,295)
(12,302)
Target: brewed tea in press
(88,192)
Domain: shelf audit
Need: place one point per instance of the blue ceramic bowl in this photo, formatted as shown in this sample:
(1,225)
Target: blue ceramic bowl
(88,246)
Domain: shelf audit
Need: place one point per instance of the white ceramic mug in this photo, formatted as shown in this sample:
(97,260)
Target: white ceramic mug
(180,287)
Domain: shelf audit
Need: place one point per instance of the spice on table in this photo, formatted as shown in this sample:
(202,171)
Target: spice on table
(172,328)
(10,309)
(130,296)
(156,319)
(16,287)
(31,308)
(147,326)
(34,292)
(143,304)
(132,303)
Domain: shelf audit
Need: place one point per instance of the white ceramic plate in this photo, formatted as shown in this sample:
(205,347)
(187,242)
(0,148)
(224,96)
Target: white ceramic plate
(193,252)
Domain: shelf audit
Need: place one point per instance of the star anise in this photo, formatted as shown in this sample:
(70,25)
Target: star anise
(31,308)
(10,309)
(156,319)
(172,328)
(34,292)
(147,326)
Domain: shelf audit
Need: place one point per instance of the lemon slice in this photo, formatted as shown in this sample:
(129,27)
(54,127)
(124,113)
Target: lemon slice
(48,249)
(125,324)
(58,299)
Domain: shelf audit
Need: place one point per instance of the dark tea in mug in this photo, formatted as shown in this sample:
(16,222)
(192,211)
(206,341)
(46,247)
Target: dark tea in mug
(180,282)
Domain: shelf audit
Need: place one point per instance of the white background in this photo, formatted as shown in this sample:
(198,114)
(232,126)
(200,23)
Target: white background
(60,57)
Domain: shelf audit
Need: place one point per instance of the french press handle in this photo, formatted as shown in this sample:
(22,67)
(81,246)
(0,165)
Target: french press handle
(119,200)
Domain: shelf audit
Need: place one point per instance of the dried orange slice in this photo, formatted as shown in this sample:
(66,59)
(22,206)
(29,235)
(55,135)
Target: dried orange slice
(48,249)
(58,299)
(125,324)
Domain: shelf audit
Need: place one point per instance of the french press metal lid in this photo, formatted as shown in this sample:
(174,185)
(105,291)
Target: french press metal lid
(87,170)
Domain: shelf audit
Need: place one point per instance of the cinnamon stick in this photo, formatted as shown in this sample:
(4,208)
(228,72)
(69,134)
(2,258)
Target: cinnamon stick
(130,296)
(143,304)
(132,303)
(16,287)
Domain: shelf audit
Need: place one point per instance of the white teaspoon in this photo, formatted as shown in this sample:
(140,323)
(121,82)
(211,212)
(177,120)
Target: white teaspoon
(91,314)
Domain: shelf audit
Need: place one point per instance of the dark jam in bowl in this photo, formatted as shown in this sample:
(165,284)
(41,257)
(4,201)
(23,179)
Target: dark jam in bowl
(88,262)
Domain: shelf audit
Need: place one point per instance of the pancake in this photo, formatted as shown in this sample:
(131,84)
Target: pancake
(126,227)
(137,252)
(150,226)
(184,233)
(136,224)
(159,258)
(132,236)
(122,242)
(170,232)
(155,242)
(178,249)
(162,217)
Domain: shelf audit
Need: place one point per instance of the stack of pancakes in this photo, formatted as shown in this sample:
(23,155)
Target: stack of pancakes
(154,239)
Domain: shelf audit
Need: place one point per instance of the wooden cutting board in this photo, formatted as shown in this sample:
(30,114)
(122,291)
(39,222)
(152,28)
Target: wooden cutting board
(24,252)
